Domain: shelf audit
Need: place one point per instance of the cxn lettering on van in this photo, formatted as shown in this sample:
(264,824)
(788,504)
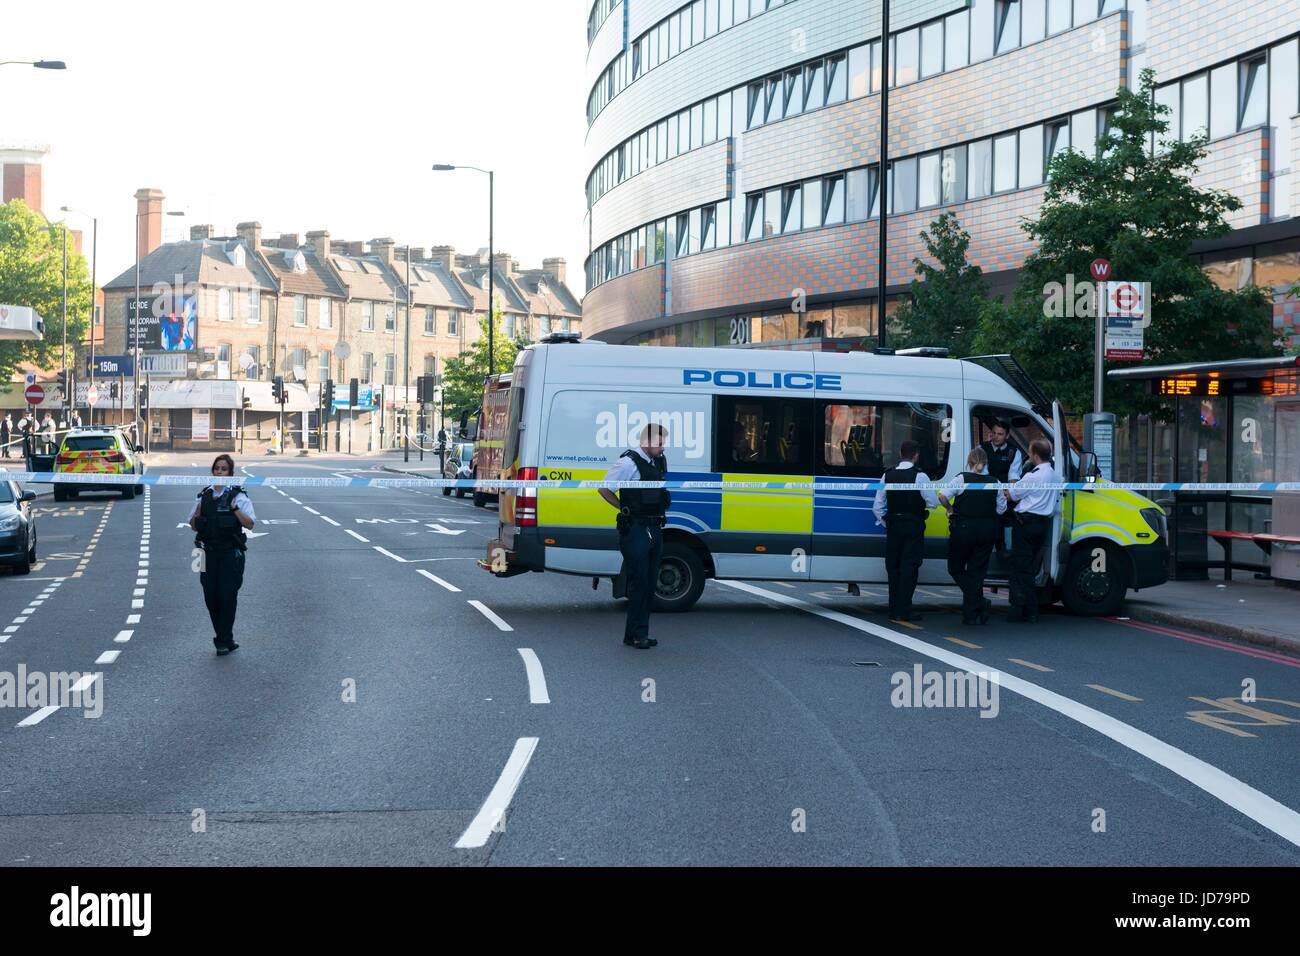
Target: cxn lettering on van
(735,378)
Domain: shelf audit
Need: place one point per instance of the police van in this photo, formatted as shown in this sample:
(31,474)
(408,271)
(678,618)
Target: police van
(790,416)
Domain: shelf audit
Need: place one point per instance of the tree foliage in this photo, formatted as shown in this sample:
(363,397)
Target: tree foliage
(1139,210)
(31,274)
(462,379)
(947,299)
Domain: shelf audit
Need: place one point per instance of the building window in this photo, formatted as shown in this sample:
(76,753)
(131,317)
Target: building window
(431,365)
(367,318)
(223,360)
(905,63)
(1058,16)
(390,319)
(1033,20)
(1056,139)
(254,369)
(300,310)
(430,320)
(814,86)
(982,16)
(833,200)
(954,175)
(754,216)
(510,325)
(225,305)
(1196,109)
(684,234)
(837,79)
(544,323)
(979,182)
(254,307)
(453,320)
(929,180)
(932,49)
(956,40)
(791,209)
(904,186)
(324,369)
(1083,132)
(1007,19)
(298,360)
(1254,93)
(708,227)
(390,369)
(367,367)
(324,316)
(1031,156)
(1004,163)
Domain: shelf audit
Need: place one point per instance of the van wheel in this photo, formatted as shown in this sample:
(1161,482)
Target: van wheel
(446,492)
(128,492)
(60,493)
(139,489)
(681,579)
(1095,593)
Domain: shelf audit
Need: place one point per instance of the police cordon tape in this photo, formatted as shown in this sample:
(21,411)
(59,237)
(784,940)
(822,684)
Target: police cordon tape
(471,484)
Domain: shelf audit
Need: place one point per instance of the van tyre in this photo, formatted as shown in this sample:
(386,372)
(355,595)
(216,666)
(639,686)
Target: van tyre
(681,579)
(446,492)
(60,494)
(128,492)
(1091,593)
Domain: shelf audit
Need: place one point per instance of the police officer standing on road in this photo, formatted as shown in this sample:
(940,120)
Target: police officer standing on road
(1005,465)
(1032,523)
(973,528)
(903,514)
(641,518)
(220,516)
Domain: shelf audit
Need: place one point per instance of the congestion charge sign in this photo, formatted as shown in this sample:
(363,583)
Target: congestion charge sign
(736,378)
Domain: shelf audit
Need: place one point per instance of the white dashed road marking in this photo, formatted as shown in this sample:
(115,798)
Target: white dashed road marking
(536,678)
(491,615)
(439,581)
(498,801)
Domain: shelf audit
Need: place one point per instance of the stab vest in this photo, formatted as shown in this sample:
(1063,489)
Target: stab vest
(219,529)
(646,502)
(904,502)
(999,461)
(979,503)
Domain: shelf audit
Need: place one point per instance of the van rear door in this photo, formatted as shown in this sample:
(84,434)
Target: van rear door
(1058,540)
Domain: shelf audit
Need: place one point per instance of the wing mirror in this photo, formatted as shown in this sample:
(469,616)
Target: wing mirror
(1089,470)
(27,496)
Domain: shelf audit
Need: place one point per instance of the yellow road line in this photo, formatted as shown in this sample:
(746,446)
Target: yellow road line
(957,640)
(1115,693)
(915,627)
(1030,664)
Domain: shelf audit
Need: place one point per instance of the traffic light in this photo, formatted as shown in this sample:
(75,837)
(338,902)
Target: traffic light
(112,390)
(424,386)
(327,396)
(277,390)
(354,393)
(144,395)
(245,402)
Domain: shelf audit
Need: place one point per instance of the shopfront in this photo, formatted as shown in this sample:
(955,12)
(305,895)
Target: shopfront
(1232,421)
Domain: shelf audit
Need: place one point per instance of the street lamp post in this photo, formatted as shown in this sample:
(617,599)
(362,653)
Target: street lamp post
(39,64)
(444,167)
(883,280)
(94,261)
(135,351)
(64,230)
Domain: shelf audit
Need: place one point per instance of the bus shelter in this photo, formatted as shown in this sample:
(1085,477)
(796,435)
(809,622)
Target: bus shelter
(1231,421)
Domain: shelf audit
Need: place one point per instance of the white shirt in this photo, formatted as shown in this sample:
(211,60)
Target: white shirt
(1017,461)
(881,505)
(625,468)
(241,502)
(955,486)
(1031,501)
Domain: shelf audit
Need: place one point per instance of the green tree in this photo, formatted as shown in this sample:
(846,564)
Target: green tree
(1140,211)
(462,379)
(946,300)
(31,274)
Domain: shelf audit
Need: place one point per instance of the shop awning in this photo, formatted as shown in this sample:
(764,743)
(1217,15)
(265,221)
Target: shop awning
(302,398)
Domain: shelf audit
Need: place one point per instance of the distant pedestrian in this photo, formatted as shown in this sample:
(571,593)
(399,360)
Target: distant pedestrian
(903,514)
(642,513)
(1033,523)
(47,428)
(973,529)
(76,420)
(220,517)
(6,429)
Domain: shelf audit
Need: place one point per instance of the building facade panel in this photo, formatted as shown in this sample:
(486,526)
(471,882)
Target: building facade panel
(628,300)
(607,45)
(1238,165)
(1185,37)
(683,182)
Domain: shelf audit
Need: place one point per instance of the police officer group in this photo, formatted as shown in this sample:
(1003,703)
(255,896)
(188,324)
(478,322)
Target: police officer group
(220,516)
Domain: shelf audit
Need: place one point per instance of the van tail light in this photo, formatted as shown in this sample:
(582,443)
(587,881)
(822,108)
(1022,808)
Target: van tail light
(62,459)
(116,457)
(526,500)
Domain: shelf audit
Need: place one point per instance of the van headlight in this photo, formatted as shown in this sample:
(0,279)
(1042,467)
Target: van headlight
(1157,520)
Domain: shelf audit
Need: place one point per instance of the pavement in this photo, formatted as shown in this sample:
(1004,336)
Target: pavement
(391,703)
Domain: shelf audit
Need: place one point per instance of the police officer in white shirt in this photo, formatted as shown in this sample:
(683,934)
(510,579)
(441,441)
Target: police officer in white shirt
(1033,522)
(903,514)
(220,516)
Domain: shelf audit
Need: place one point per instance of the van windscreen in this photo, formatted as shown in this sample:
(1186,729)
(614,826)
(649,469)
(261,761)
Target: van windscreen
(91,443)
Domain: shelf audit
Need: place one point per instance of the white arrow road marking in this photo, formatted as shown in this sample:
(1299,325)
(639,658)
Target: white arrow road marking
(443,529)
(1243,798)
(536,679)
(256,534)
(498,801)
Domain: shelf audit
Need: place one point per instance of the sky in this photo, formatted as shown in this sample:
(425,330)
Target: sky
(309,115)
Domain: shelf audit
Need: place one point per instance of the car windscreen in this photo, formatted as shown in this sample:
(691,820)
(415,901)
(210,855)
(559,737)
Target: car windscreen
(90,443)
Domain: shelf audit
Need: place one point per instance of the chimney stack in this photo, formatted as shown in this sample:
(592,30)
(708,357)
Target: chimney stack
(503,263)
(356,248)
(320,241)
(554,268)
(287,240)
(251,233)
(22,175)
(444,256)
(201,232)
(149,218)
(417,253)
(383,248)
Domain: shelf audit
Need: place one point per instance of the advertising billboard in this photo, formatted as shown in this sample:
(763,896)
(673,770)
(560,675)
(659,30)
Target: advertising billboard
(162,323)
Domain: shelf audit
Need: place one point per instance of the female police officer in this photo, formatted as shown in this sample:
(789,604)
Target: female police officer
(220,516)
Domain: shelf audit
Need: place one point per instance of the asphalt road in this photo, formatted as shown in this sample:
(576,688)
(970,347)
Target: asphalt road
(380,696)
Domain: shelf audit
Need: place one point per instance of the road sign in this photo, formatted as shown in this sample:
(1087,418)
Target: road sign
(92,395)
(34,394)
(108,365)
(1124,345)
(1100,269)
(1126,300)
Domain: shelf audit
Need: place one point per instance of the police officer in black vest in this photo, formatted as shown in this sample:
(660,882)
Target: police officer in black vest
(973,529)
(641,518)
(220,516)
(903,514)
(1005,464)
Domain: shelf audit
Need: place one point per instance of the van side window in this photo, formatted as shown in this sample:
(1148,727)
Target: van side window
(763,435)
(861,439)
(1023,428)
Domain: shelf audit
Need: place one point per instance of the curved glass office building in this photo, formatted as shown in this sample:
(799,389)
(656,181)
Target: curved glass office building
(732,146)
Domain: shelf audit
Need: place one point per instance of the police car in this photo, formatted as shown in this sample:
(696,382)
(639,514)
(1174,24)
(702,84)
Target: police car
(98,450)
(810,418)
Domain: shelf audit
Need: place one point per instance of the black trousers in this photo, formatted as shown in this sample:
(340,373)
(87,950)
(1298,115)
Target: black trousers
(1028,534)
(904,552)
(641,544)
(969,546)
(222,577)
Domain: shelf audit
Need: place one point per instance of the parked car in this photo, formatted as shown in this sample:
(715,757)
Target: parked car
(17,527)
(99,450)
(459,464)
